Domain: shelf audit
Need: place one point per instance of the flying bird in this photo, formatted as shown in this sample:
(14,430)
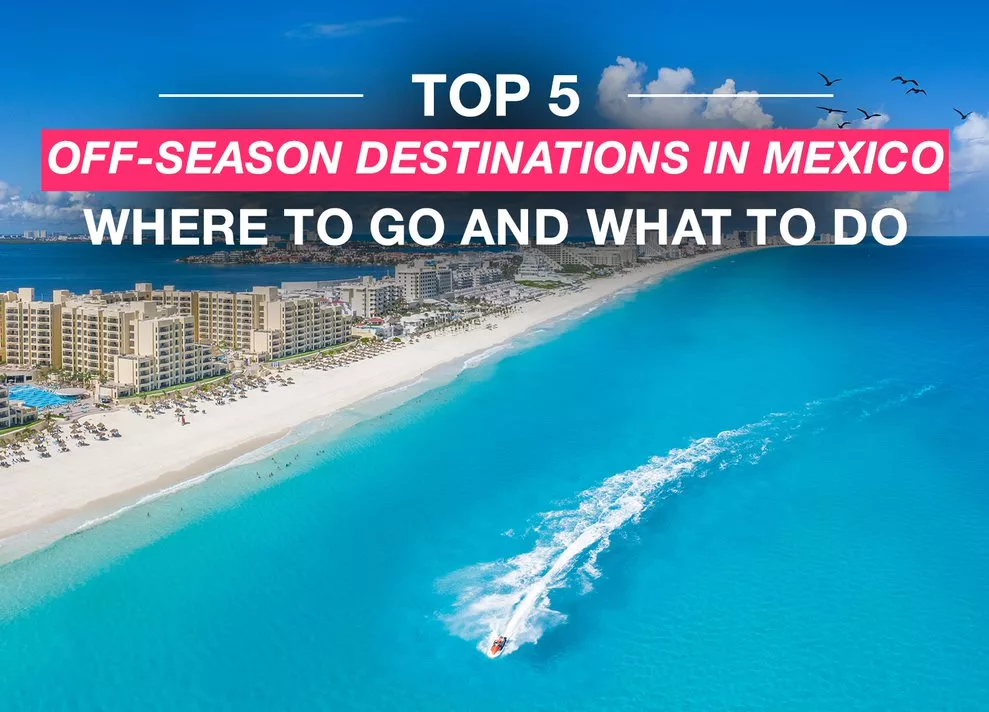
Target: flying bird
(828,82)
(964,116)
(915,90)
(832,111)
(843,124)
(901,80)
(868,115)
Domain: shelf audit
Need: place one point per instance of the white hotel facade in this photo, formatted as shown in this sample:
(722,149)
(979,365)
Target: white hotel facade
(369,296)
(423,279)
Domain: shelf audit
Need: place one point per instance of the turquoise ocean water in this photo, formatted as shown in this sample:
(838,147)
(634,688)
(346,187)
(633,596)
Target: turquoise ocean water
(760,484)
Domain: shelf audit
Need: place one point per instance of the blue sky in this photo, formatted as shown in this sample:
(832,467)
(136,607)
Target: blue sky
(102,64)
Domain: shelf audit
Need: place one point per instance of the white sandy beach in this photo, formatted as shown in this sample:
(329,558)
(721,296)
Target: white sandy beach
(154,454)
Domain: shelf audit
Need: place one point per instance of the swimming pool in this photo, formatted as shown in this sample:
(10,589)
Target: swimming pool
(36,397)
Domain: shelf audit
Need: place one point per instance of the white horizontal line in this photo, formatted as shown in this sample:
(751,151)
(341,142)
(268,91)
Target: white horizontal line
(754,95)
(260,96)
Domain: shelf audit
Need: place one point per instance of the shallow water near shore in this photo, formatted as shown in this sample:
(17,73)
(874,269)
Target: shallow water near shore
(758,484)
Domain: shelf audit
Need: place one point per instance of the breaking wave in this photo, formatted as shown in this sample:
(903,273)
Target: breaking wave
(477,360)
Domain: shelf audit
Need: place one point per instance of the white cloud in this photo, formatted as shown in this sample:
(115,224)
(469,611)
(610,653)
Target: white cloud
(832,120)
(342,29)
(626,77)
(962,210)
(877,122)
(55,206)
(904,202)
(970,156)
(745,112)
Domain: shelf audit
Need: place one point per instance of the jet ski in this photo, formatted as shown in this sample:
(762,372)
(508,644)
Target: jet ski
(498,646)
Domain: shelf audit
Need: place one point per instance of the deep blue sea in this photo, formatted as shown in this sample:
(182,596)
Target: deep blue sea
(758,485)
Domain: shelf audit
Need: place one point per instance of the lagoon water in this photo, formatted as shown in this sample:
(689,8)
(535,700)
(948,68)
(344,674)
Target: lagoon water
(80,267)
(760,484)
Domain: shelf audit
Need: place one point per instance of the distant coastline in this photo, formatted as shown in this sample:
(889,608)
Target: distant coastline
(80,267)
(282,251)
(23,241)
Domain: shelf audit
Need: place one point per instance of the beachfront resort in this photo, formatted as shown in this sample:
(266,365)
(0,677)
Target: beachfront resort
(119,344)
(70,355)
(140,390)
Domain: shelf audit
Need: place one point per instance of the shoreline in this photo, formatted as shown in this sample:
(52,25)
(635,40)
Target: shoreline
(47,500)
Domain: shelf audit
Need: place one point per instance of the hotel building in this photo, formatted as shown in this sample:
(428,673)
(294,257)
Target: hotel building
(186,301)
(136,344)
(265,324)
(370,297)
(470,276)
(596,256)
(565,256)
(537,265)
(4,407)
(607,256)
(261,321)
(148,339)
(164,352)
(229,319)
(14,412)
(140,346)
(93,334)
(298,325)
(4,298)
(32,334)
(423,279)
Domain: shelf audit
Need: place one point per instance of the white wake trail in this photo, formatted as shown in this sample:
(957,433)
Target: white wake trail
(516,601)
(511,597)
